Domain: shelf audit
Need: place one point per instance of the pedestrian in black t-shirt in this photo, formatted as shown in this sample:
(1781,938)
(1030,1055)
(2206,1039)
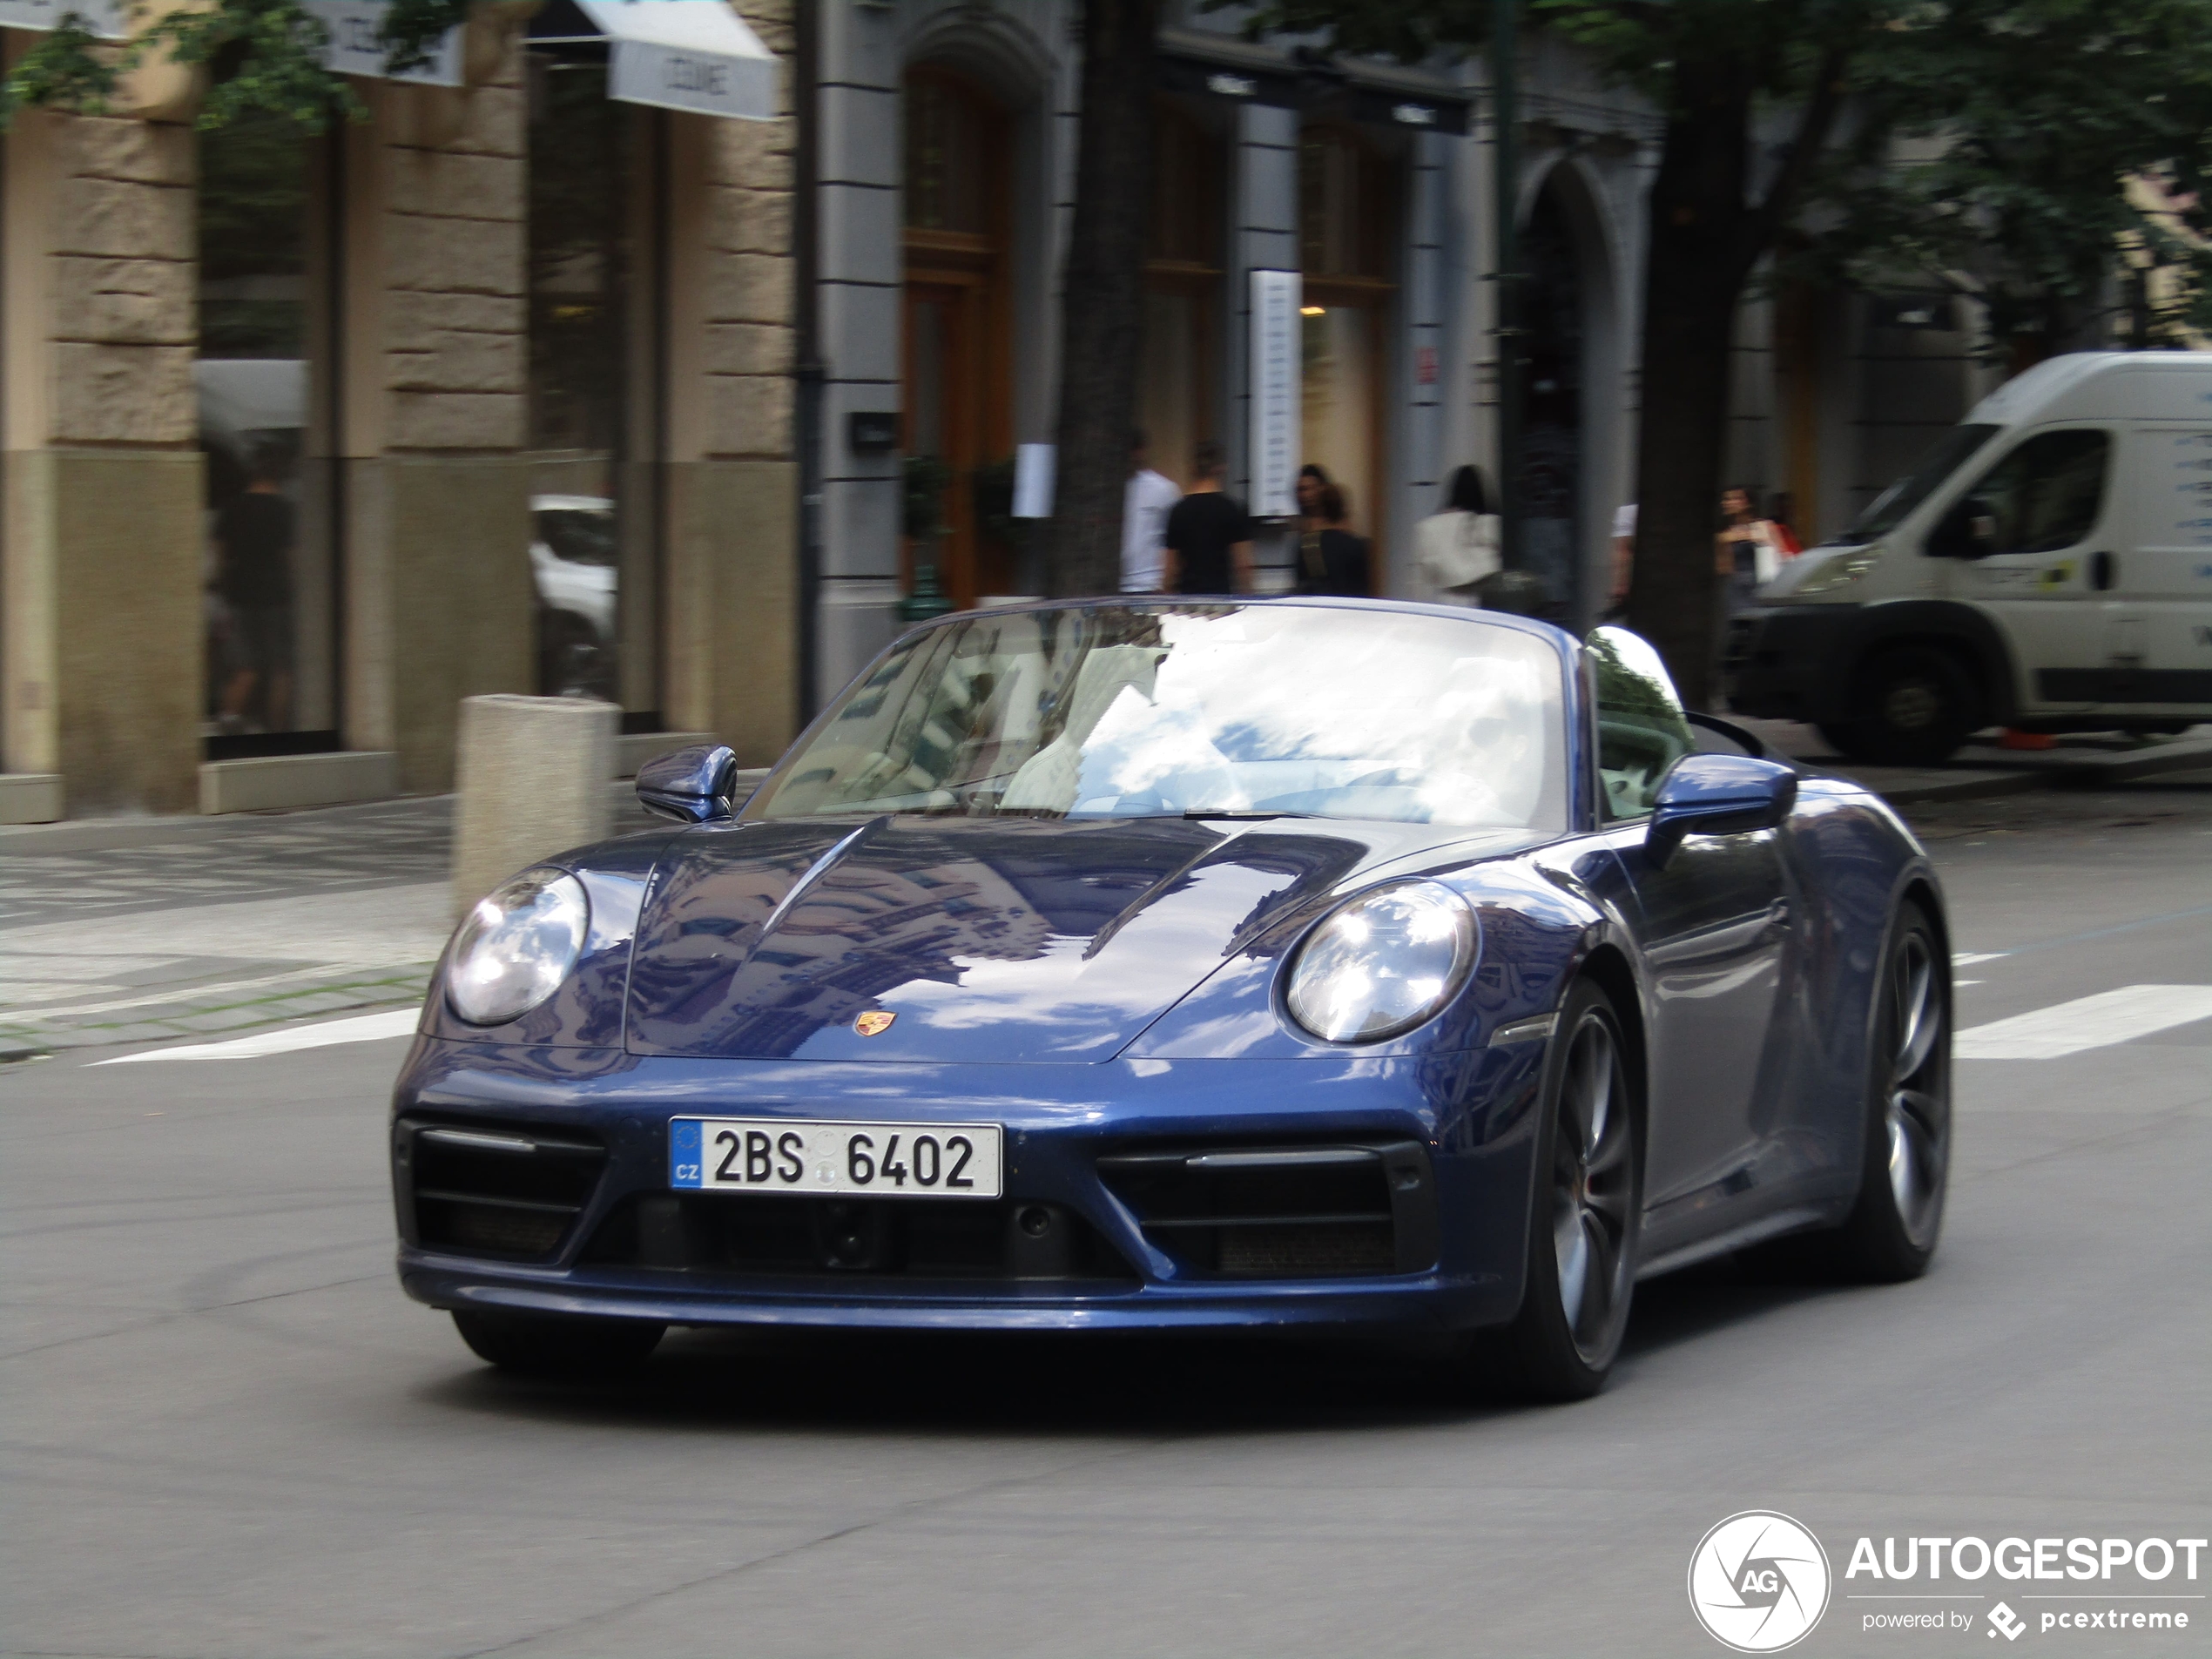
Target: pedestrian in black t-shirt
(1209,537)
(1333,560)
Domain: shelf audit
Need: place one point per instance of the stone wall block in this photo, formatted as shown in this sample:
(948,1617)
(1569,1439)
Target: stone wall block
(454,255)
(461,362)
(455,420)
(749,221)
(134,302)
(124,393)
(749,287)
(145,152)
(124,220)
(749,348)
(417,320)
(752,155)
(472,186)
(773,20)
(748,415)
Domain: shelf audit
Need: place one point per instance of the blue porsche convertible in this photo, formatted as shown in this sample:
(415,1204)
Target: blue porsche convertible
(1180,965)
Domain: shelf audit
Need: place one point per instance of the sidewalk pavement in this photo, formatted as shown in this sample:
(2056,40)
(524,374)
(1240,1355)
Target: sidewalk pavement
(124,930)
(128,930)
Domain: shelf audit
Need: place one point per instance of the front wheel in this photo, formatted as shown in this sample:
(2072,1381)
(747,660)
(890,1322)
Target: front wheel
(1912,705)
(551,1345)
(1586,1215)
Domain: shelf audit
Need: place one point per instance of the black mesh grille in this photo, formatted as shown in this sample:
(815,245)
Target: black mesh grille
(1283,1211)
(504,1190)
(739,1236)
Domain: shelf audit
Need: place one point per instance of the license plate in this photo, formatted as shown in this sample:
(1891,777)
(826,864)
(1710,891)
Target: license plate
(884,1160)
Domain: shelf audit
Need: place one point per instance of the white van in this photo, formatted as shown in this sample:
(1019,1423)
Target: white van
(2049,568)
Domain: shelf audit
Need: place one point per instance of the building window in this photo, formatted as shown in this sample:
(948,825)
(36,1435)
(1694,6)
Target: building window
(958,395)
(1179,383)
(595,230)
(266,401)
(1347,229)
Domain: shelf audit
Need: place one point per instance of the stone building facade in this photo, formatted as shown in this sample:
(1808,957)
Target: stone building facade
(464,508)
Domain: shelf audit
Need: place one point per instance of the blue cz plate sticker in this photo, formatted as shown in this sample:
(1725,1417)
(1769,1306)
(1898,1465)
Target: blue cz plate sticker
(884,1160)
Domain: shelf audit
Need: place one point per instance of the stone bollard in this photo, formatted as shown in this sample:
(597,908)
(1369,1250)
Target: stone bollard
(530,779)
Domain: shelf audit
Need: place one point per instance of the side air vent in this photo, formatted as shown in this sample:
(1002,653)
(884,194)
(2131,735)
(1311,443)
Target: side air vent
(1330,1211)
(502,1190)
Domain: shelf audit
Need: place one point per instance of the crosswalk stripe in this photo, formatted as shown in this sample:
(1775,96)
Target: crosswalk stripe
(2087,1022)
(365,1028)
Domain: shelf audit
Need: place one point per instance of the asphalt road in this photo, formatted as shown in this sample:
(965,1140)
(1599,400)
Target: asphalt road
(227,1434)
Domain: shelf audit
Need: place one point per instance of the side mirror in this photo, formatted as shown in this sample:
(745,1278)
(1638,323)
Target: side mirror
(1718,795)
(691,786)
(1967,531)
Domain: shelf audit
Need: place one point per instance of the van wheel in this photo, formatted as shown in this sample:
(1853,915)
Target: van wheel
(1913,706)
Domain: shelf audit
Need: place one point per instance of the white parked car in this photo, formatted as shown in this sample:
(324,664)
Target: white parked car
(574,559)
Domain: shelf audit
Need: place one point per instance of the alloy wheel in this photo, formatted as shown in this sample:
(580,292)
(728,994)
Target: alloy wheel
(1917,1106)
(1593,1186)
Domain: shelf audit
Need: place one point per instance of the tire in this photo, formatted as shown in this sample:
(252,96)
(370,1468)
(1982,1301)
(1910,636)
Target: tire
(1586,1212)
(1912,706)
(1905,1157)
(535,1344)
(1842,739)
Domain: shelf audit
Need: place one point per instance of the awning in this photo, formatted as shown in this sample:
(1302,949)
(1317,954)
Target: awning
(694,55)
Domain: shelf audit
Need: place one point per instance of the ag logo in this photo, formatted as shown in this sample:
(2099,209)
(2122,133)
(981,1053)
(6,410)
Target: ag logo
(874,1022)
(1758,1583)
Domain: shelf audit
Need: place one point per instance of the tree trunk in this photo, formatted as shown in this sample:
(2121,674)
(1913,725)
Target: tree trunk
(1101,314)
(1704,238)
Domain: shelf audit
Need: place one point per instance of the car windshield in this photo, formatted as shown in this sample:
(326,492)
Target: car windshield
(1887,510)
(1143,711)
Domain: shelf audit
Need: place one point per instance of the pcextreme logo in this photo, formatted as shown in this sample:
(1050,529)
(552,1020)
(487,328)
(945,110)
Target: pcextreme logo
(1758,1581)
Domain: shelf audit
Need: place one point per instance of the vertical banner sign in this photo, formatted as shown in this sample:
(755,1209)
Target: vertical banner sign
(1275,412)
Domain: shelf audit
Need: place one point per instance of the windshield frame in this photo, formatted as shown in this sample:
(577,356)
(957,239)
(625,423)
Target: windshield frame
(1567,795)
(1908,494)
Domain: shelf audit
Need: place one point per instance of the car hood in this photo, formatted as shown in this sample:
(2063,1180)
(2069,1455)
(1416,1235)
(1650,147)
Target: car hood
(1006,940)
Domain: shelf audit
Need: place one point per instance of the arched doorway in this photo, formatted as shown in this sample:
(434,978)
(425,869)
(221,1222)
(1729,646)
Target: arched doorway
(1551,400)
(956,399)
(1347,231)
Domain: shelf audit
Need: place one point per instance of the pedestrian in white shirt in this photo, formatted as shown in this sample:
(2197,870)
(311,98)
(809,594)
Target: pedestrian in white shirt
(1145,501)
(1455,550)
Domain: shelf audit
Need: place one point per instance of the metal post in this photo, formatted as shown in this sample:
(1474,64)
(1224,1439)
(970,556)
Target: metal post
(1505,114)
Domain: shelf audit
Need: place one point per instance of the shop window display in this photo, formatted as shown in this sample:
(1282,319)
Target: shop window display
(261,381)
(594,414)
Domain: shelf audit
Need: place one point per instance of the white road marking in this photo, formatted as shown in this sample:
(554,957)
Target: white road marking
(1967,959)
(365,1028)
(2087,1022)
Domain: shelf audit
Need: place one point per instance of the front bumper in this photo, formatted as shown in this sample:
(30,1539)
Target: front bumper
(1451,1135)
(1790,662)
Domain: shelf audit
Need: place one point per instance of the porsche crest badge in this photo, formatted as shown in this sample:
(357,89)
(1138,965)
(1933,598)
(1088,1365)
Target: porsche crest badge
(874,1023)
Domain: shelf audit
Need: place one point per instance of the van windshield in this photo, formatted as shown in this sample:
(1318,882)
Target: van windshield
(1888,509)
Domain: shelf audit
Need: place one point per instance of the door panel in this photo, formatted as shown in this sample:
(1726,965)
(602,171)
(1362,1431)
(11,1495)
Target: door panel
(1714,922)
(2054,511)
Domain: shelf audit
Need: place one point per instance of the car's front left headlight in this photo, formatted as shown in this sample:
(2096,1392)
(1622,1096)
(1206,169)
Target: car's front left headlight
(1383,963)
(517,947)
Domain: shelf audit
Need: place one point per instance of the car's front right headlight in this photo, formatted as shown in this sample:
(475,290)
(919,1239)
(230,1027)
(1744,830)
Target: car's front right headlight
(517,947)
(1383,963)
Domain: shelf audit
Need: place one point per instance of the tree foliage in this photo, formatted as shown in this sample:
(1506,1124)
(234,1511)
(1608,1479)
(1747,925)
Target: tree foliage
(2012,149)
(264,55)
